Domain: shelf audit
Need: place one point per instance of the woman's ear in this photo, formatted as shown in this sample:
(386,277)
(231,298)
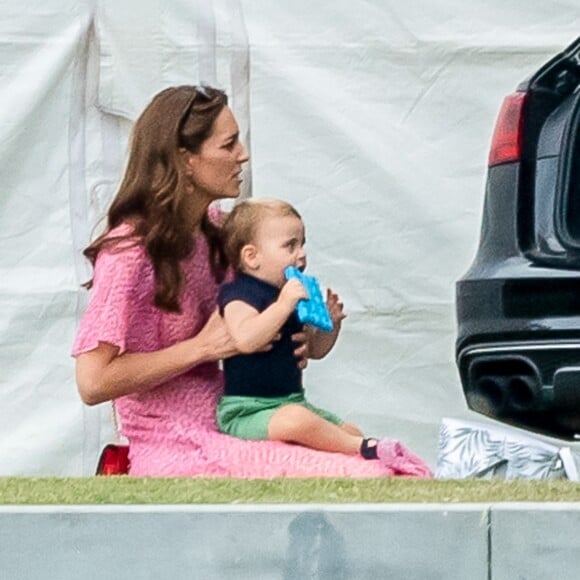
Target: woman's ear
(187,160)
(249,257)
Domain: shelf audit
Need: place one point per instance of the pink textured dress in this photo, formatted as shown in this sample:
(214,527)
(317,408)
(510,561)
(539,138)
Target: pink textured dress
(171,428)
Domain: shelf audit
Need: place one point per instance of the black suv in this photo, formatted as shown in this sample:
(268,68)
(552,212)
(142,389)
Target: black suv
(518,306)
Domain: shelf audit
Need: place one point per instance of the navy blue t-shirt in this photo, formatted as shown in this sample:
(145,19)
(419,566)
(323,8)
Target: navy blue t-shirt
(262,374)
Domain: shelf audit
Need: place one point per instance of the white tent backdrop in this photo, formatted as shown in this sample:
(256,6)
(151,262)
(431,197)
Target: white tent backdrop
(372,117)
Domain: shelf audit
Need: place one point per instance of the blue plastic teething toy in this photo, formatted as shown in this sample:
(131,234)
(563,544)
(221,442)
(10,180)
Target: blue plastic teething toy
(312,311)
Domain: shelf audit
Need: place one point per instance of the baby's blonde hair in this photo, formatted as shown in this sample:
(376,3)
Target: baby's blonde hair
(241,225)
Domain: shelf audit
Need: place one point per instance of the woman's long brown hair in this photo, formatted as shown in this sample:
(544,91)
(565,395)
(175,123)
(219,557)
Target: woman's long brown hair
(152,193)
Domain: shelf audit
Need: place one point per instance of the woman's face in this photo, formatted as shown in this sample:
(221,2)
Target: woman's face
(215,169)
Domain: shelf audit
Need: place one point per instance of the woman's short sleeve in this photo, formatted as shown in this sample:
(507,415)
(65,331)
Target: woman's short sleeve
(121,288)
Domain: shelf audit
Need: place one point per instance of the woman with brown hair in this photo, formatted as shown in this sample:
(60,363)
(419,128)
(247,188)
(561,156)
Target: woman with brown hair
(151,336)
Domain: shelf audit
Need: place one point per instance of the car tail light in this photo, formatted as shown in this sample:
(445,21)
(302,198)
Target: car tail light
(506,144)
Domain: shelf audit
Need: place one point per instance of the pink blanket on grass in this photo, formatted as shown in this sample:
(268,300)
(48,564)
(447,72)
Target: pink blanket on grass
(171,428)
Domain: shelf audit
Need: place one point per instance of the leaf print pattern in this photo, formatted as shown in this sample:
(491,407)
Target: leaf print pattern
(470,449)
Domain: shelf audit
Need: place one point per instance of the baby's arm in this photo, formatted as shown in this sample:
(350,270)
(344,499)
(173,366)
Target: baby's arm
(320,343)
(252,330)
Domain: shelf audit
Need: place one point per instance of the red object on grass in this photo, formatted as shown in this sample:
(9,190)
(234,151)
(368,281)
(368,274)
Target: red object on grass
(114,460)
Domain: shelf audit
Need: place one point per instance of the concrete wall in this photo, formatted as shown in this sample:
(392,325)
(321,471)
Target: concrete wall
(291,542)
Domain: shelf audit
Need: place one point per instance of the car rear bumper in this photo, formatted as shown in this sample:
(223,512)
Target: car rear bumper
(533,384)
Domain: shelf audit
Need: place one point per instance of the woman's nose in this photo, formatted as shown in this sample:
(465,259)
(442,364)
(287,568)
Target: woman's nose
(243,155)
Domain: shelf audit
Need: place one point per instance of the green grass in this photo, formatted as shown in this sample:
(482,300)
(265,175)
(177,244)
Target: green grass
(127,490)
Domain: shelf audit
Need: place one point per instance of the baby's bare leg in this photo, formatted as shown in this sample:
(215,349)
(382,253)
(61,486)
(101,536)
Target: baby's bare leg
(351,428)
(297,424)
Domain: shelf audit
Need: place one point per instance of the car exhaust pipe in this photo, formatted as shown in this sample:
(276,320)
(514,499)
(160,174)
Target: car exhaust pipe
(523,393)
(490,395)
(498,395)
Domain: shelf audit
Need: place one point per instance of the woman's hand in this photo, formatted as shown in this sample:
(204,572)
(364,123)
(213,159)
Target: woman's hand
(301,351)
(216,338)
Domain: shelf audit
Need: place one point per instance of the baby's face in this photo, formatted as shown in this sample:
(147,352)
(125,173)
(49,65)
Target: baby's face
(279,243)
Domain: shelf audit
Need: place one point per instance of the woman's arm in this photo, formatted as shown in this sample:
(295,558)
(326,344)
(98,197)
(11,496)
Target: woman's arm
(103,375)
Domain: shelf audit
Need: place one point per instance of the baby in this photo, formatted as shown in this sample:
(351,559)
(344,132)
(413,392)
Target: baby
(264,397)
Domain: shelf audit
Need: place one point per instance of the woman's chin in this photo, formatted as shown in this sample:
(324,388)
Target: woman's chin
(232,194)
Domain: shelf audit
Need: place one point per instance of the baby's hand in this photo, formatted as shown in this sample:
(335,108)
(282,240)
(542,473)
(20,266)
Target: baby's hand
(291,293)
(335,307)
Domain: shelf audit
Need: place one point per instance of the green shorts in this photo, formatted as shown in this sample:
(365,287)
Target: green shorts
(249,417)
